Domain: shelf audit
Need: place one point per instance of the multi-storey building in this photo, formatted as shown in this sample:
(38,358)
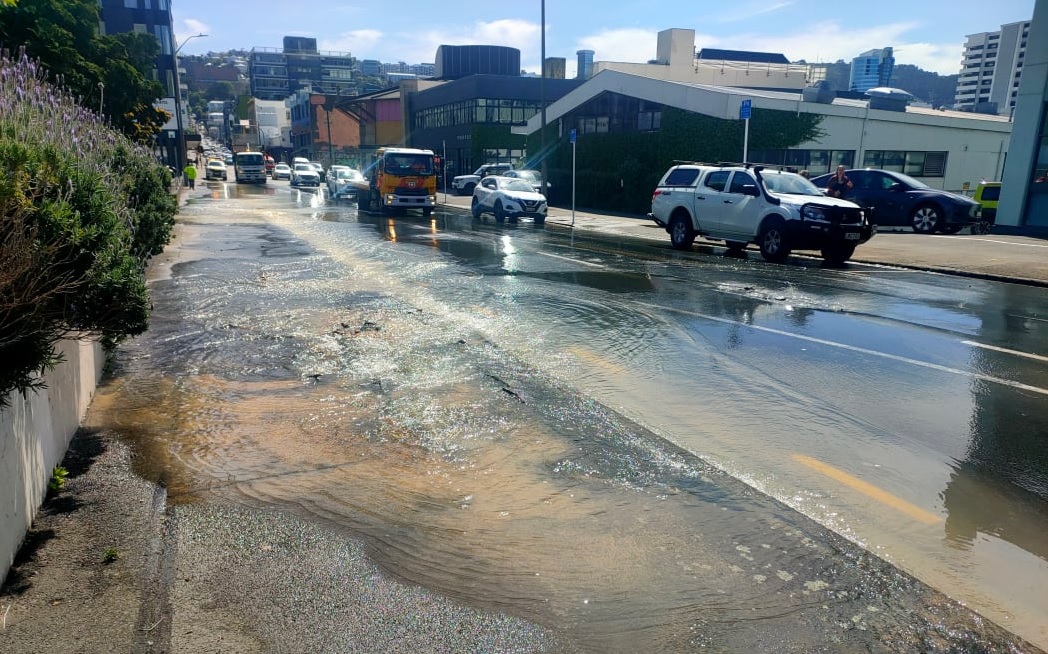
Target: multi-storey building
(991,69)
(871,69)
(119,16)
(276,74)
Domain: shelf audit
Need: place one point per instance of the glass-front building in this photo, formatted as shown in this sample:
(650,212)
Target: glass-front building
(458,61)
(470,118)
(871,69)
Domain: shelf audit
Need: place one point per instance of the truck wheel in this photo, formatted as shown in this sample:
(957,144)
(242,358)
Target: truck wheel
(475,208)
(774,245)
(468,189)
(838,253)
(681,233)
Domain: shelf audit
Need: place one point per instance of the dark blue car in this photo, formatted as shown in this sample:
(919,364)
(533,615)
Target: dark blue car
(896,200)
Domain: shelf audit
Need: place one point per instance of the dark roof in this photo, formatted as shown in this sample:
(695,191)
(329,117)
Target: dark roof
(742,55)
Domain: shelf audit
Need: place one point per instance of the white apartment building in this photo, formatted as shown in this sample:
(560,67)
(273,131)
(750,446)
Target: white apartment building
(991,68)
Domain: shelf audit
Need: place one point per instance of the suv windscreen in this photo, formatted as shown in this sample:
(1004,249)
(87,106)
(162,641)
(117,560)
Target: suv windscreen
(789,184)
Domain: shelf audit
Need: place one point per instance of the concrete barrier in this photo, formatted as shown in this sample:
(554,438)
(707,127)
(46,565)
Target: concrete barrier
(35,432)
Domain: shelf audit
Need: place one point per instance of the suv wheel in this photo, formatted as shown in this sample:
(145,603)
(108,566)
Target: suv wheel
(500,214)
(773,243)
(475,208)
(925,219)
(681,233)
(838,253)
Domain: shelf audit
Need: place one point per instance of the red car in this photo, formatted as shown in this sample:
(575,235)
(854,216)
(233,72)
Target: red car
(270,165)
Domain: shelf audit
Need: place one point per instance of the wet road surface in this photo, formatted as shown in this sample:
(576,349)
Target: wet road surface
(526,426)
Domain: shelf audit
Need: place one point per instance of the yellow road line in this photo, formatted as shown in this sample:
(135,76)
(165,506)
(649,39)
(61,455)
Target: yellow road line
(869,490)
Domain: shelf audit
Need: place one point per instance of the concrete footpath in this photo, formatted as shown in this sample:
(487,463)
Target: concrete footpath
(1018,259)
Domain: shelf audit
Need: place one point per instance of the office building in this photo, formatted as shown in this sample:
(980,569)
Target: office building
(458,61)
(119,16)
(991,69)
(585,64)
(871,69)
(277,73)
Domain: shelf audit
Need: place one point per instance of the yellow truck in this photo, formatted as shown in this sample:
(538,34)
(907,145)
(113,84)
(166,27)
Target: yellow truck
(398,179)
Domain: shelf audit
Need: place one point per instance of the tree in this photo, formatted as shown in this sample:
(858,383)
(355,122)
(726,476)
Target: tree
(223,91)
(63,36)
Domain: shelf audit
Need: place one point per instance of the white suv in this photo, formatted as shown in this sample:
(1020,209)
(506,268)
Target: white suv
(779,211)
(464,184)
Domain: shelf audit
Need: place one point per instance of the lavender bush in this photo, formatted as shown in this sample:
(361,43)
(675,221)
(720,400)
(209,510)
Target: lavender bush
(82,211)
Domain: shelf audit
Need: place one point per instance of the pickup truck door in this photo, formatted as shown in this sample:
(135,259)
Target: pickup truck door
(739,210)
(709,201)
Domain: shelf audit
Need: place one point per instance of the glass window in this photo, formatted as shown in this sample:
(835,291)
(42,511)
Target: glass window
(682,177)
(914,164)
(717,180)
(131,4)
(819,162)
(740,180)
(893,160)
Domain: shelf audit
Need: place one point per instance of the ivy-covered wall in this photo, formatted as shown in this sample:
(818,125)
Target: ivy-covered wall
(619,171)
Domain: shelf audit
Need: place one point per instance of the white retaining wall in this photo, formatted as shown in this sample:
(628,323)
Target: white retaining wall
(35,432)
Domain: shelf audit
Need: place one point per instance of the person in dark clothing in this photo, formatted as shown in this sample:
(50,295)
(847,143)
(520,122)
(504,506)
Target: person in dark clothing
(839,184)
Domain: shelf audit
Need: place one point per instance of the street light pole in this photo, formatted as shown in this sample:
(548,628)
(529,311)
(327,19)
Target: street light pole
(180,147)
(542,86)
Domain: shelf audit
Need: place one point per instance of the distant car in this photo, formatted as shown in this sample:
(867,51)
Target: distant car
(281,171)
(270,165)
(896,200)
(320,170)
(534,177)
(340,182)
(229,160)
(464,184)
(216,170)
(304,174)
(506,197)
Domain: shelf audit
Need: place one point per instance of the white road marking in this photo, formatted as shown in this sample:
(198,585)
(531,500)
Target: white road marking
(1027,355)
(854,348)
(572,260)
(991,240)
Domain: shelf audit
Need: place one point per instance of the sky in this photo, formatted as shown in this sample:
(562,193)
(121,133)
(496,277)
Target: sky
(926,33)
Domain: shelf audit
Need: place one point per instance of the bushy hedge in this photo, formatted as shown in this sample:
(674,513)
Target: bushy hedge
(619,170)
(82,210)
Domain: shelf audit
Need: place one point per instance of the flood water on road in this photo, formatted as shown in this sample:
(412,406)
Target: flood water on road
(487,417)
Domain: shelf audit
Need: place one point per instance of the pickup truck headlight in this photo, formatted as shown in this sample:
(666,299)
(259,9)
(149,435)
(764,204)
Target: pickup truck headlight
(811,212)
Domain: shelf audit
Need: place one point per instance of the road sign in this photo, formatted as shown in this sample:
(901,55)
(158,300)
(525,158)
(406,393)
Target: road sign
(574,135)
(745,108)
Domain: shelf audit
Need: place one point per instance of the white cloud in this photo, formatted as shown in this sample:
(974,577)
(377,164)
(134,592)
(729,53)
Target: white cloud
(190,27)
(828,41)
(418,47)
(627,45)
(356,42)
(750,10)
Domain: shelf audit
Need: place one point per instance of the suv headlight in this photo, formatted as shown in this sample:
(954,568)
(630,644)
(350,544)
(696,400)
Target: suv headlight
(811,212)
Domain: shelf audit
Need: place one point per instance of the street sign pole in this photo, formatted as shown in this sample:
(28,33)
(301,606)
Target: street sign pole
(444,169)
(574,137)
(744,113)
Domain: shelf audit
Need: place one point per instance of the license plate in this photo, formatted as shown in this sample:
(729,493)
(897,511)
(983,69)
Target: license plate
(851,236)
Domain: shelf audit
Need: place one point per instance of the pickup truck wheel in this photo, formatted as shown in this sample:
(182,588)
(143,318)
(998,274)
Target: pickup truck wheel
(681,233)
(773,243)
(838,253)
(500,214)
(925,219)
(475,208)
(468,189)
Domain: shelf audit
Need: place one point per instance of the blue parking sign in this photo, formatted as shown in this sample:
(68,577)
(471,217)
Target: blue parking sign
(573,135)
(745,108)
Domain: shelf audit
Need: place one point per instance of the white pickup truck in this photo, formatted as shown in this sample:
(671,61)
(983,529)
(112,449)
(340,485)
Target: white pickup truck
(464,184)
(779,211)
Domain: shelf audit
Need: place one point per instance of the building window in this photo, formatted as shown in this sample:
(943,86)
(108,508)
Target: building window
(915,162)
(131,4)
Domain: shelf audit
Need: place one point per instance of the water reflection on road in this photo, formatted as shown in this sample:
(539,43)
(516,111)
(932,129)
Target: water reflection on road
(307,357)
